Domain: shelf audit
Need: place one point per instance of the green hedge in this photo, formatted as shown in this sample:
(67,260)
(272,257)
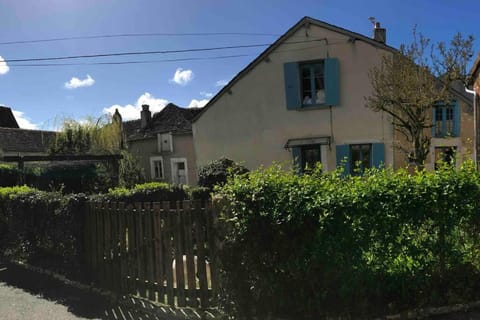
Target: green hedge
(315,245)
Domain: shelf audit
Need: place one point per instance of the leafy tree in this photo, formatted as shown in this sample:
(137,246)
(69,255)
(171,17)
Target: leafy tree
(410,81)
(217,171)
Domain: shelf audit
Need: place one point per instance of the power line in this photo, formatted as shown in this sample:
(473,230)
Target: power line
(134,53)
(127,62)
(127,35)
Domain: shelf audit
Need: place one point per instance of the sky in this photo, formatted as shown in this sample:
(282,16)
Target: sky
(43,96)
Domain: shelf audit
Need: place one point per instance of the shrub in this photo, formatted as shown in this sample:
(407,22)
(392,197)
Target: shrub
(146,192)
(319,244)
(216,172)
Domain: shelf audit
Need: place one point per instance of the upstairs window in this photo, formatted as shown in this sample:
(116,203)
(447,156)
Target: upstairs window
(156,168)
(446,121)
(312,83)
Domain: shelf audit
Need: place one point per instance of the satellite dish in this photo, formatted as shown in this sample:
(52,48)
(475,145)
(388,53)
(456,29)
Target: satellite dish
(372,20)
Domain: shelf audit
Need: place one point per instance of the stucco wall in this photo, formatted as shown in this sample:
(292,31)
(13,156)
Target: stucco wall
(251,123)
(182,148)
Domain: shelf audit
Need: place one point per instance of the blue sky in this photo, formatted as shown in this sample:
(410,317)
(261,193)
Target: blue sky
(43,96)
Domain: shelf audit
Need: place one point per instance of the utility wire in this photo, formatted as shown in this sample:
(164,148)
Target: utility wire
(134,53)
(127,35)
(126,62)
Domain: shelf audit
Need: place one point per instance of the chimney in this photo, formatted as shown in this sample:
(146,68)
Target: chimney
(145,116)
(379,34)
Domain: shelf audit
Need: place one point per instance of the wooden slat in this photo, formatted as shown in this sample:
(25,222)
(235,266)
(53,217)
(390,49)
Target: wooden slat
(168,252)
(100,243)
(211,214)
(200,236)
(180,283)
(158,248)
(149,252)
(115,247)
(139,247)
(132,250)
(122,246)
(191,274)
(108,245)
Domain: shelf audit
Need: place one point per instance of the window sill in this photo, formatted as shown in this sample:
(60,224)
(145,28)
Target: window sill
(313,107)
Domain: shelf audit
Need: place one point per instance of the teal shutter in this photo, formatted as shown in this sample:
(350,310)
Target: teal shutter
(332,84)
(456,119)
(297,159)
(343,152)
(434,121)
(292,85)
(378,155)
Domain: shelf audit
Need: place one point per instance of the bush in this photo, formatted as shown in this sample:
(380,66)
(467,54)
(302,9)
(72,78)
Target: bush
(319,244)
(216,172)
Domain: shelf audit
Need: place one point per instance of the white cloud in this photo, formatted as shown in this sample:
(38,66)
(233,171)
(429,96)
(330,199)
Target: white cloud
(221,83)
(23,122)
(75,82)
(197,103)
(3,66)
(206,94)
(182,77)
(131,112)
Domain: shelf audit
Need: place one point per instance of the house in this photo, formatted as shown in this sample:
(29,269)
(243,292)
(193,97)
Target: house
(303,98)
(15,141)
(163,144)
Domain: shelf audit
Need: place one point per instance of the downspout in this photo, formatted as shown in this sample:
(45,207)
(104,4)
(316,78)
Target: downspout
(475,124)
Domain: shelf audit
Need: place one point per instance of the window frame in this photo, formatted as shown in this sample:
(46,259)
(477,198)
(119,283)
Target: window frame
(455,120)
(298,156)
(153,160)
(173,161)
(311,65)
(353,167)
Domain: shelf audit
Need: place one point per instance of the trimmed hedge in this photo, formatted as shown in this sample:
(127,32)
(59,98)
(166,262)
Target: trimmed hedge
(316,245)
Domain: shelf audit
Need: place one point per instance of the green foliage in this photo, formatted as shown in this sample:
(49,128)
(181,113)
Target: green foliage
(150,191)
(42,228)
(88,137)
(320,244)
(130,171)
(216,172)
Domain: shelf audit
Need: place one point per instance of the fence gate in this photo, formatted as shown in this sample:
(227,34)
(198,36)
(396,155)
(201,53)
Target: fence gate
(159,251)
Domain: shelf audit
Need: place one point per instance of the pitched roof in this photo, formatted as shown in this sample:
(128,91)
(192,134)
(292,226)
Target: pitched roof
(22,140)
(474,69)
(304,21)
(7,119)
(172,118)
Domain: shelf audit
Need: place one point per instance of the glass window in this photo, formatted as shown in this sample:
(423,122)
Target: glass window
(445,155)
(360,158)
(157,169)
(313,83)
(444,121)
(310,157)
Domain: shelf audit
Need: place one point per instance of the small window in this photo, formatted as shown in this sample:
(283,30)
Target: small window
(360,158)
(306,157)
(445,155)
(446,121)
(156,168)
(313,84)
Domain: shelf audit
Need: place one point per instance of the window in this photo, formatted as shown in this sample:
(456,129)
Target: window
(165,143)
(156,168)
(313,86)
(446,121)
(179,170)
(445,155)
(360,158)
(366,155)
(306,157)
(312,83)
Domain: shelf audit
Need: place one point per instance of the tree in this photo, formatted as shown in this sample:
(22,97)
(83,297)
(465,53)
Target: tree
(410,81)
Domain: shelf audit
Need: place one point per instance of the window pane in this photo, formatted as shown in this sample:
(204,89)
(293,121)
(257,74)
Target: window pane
(313,83)
(310,156)
(439,121)
(445,155)
(306,85)
(449,120)
(360,158)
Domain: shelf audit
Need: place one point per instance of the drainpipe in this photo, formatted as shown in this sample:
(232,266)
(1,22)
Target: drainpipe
(475,138)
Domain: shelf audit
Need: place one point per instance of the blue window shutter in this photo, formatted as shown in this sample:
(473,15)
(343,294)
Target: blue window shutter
(332,84)
(456,119)
(297,159)
(292,85)
(378,154)
(434,121)
(343,152)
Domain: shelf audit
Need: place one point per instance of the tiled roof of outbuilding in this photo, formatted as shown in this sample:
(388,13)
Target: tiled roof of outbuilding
(7,119)
(22,140)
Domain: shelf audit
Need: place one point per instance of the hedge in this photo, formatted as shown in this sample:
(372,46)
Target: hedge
(315,245)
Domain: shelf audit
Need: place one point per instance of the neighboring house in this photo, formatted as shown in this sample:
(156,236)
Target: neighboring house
(303,98)
(15,141)
(163,144)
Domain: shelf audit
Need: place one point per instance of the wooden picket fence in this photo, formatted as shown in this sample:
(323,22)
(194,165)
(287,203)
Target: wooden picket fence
(159,251)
